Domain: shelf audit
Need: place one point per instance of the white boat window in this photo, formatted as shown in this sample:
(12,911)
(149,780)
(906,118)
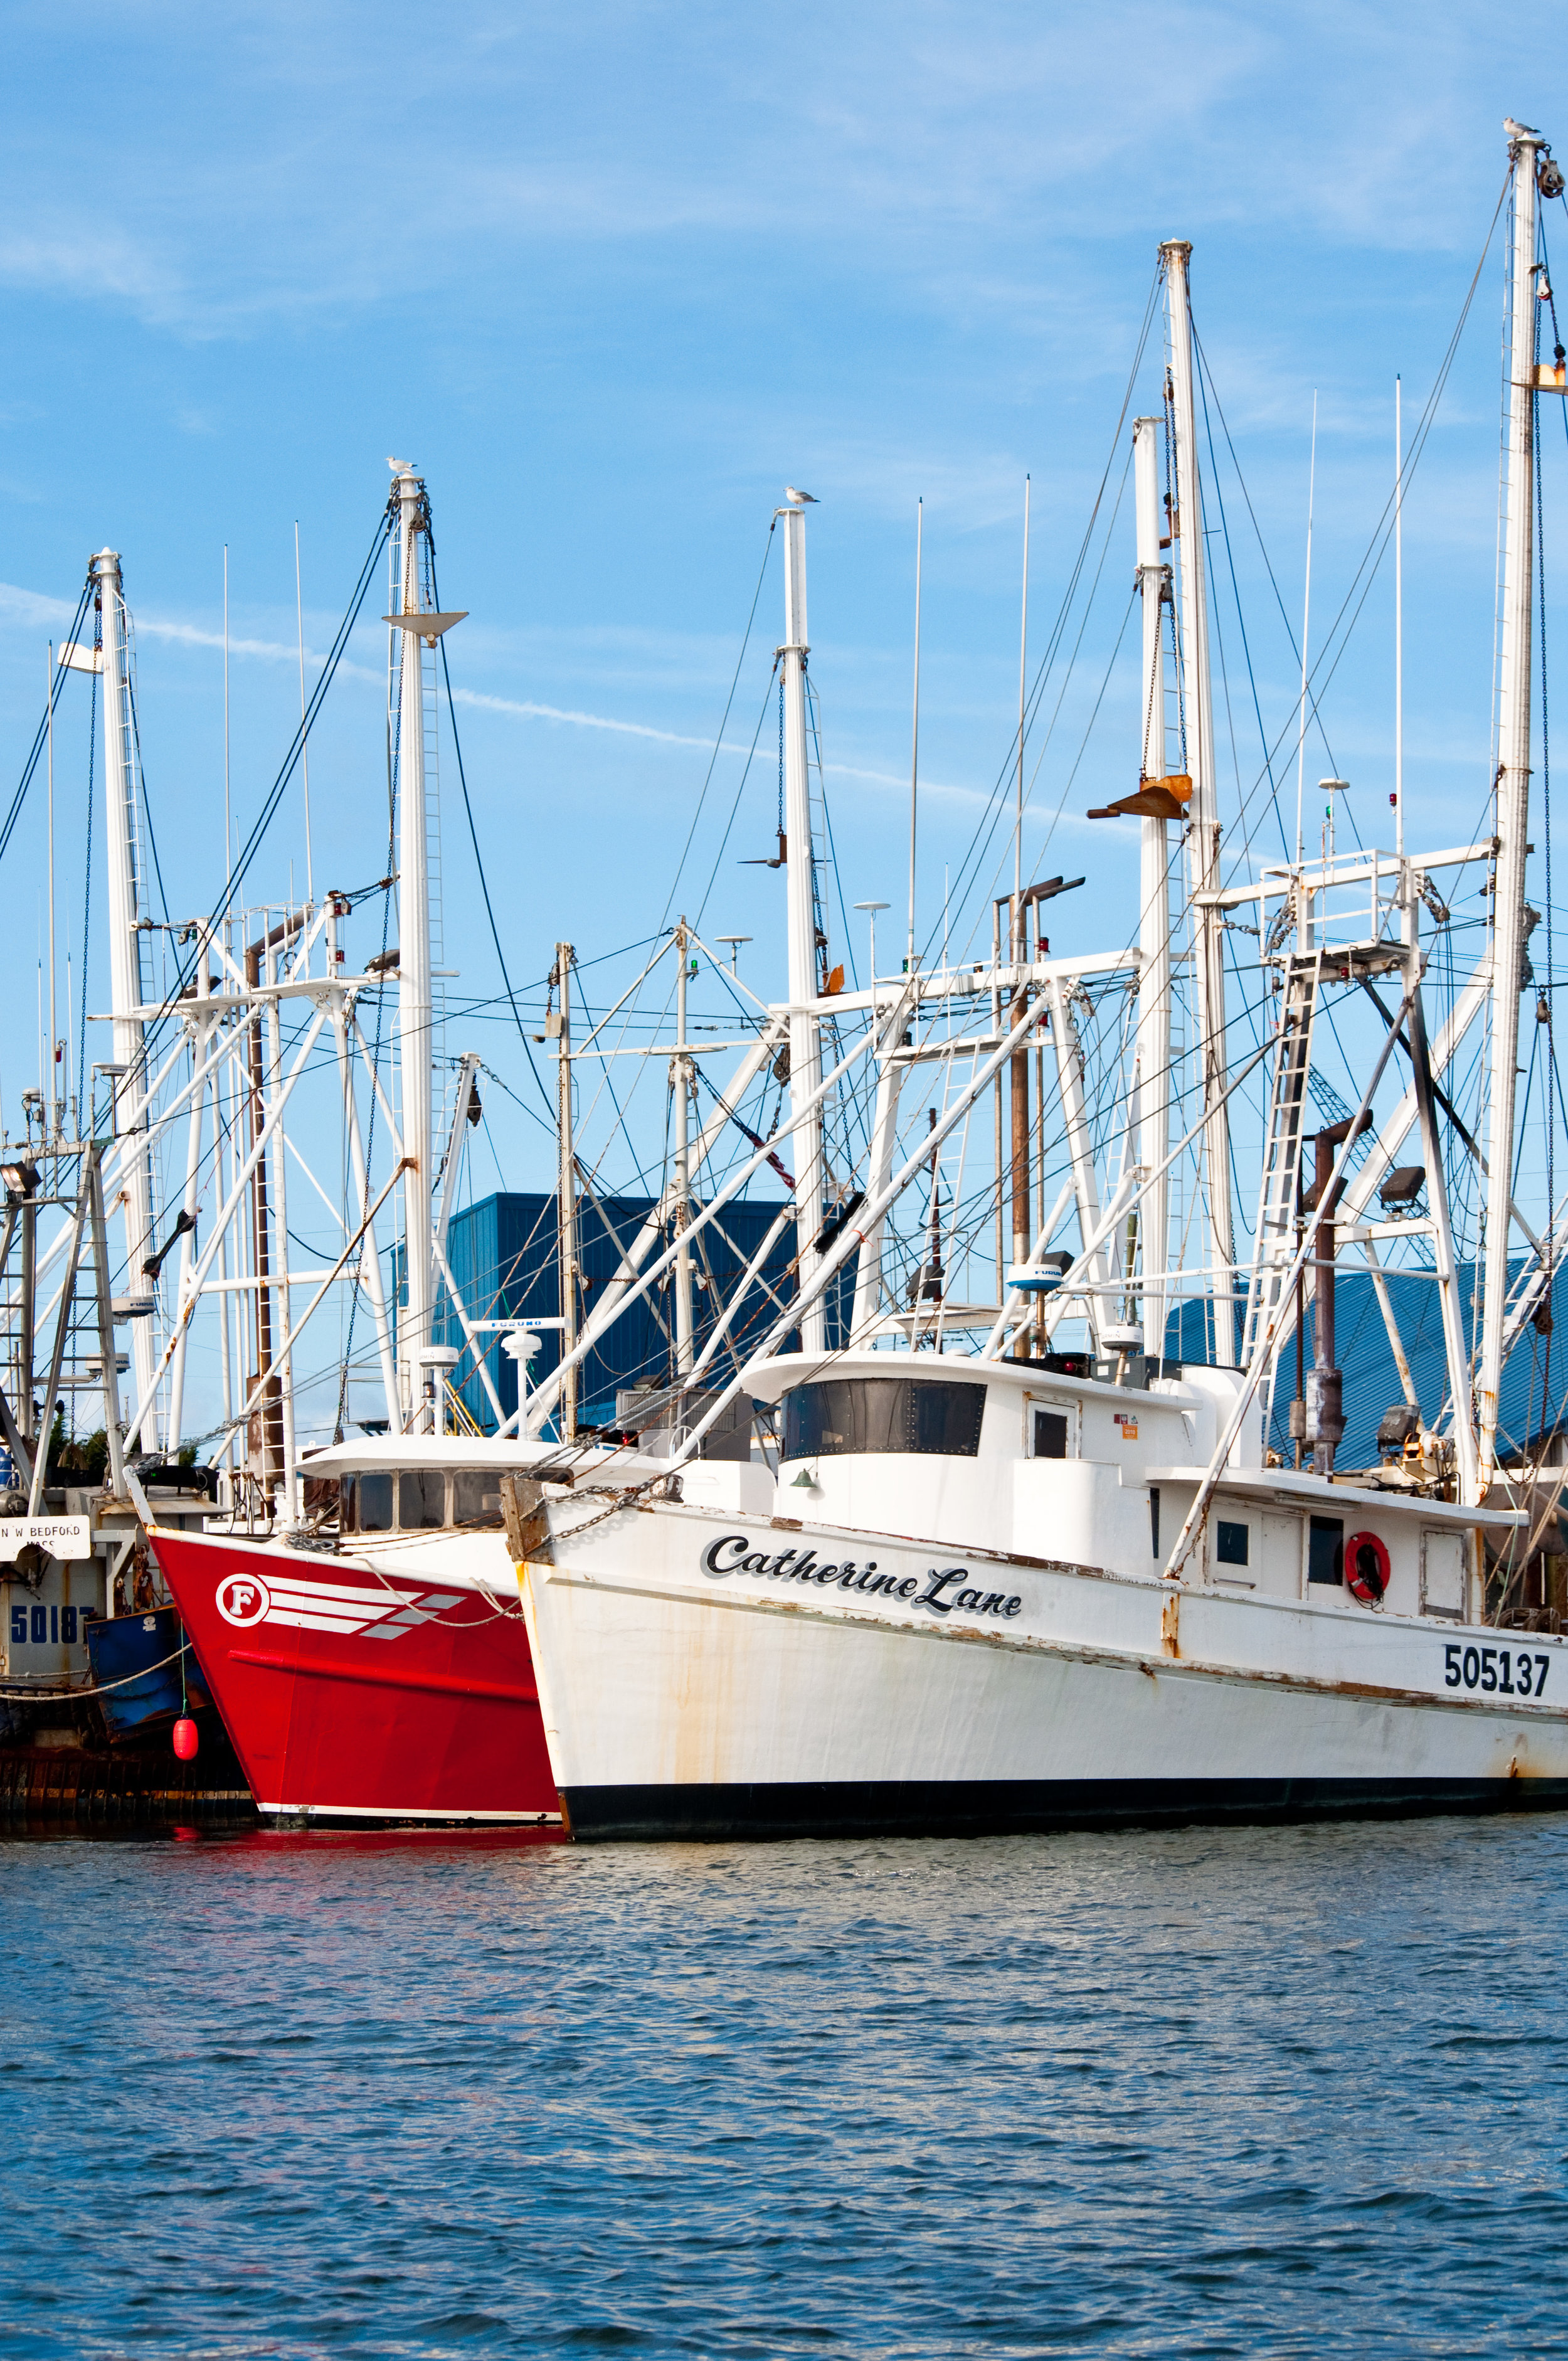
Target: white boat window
(1231,1543)
(476,1497)
(421,1499)
(1050,1434)
(843,1416)
(1325,1549)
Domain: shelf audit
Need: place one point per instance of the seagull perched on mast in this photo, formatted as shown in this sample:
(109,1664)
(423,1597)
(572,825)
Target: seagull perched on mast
(801,500)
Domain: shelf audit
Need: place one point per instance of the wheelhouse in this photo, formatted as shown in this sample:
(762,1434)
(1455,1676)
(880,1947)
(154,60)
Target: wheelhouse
(418,1500)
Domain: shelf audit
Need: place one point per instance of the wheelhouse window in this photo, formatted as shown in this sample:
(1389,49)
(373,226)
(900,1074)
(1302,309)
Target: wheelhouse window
(476,1497)
(365,1503)
(421,1499)
(843,1417)
(417,1500)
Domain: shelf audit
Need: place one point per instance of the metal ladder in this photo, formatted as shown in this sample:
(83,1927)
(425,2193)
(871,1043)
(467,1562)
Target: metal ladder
(1277,1212)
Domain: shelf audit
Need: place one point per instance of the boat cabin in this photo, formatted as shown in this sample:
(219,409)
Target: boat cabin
(1023,1459)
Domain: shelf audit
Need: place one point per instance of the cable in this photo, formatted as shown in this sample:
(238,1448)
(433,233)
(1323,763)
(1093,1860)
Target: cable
(484,882)
(719,741)
(40,736)
(274,796)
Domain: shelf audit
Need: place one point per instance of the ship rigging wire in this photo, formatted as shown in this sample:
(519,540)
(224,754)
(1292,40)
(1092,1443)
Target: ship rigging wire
(718,743)
(40,736)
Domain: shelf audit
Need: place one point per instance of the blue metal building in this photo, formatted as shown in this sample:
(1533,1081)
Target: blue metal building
(502,1253)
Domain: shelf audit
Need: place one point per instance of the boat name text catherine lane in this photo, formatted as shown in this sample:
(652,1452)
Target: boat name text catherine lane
(799,1566)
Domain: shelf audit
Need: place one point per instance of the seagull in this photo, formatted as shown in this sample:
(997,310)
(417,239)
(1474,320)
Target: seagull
(801,500)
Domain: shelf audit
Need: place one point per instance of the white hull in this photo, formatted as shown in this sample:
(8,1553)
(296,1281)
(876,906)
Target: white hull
(684,1701)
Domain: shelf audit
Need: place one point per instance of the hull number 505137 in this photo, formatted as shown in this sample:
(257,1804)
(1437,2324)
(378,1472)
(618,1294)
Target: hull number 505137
(1512,1671)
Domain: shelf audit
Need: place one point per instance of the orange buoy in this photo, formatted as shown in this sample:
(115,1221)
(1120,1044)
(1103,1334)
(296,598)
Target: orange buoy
(1366,1567)
(186,1738)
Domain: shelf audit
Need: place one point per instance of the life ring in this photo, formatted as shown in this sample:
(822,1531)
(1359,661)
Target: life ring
(1366,1568)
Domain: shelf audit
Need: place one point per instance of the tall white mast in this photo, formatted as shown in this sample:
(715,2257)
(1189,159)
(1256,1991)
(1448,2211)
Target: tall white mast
(804,1043)
(567,1257)
(1154,891)
(680,1078)
(1204,835)
(125,957)
(415,1006)
(53,1019)
(1525,149)
(1398,626)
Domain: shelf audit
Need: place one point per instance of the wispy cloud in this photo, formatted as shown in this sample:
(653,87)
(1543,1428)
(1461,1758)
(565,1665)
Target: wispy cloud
(256,187)
(527,709)
(32,609)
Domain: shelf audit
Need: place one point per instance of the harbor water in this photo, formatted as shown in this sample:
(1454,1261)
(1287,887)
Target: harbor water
(1255,2090)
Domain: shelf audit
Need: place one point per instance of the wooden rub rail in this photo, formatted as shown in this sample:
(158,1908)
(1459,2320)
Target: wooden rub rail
(95,1786)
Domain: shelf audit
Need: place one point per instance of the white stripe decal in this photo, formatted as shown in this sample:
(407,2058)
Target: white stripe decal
(297,1619)
(413,1812)
(349,1598)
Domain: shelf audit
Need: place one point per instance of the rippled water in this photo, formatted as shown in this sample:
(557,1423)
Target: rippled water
(1278,2091)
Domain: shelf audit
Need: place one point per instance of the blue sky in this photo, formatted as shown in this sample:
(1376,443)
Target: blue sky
(611,277)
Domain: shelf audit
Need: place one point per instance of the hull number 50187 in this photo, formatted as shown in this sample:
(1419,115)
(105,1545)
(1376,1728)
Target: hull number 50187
(1512,1671)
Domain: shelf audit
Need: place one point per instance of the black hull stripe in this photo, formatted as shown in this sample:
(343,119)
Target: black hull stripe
(992,1806)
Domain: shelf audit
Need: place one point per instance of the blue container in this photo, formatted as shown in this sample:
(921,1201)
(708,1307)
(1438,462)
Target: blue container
(136,1669)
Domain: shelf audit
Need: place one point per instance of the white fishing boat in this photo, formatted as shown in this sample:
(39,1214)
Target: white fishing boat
(986,1582)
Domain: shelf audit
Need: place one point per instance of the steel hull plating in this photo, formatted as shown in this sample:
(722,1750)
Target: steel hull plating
(684,1701)
(353,1694)
(999,1806)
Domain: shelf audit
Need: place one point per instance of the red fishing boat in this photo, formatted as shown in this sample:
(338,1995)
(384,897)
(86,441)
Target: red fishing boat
(386,1678)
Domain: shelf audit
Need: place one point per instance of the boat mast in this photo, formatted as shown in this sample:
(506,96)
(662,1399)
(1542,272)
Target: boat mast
(805,1044)
(1018,953)
(125,961)
(566,1187)
(680,1081)
(415,1001)
(1525,149)
(1204,834)
(1154,897)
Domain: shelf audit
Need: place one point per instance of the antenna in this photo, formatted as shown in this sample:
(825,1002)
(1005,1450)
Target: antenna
(1022,648)
(1306,621)
(914,742)
(228,847)
(870,908)
(53,1024)
(1399,629)
(305,734)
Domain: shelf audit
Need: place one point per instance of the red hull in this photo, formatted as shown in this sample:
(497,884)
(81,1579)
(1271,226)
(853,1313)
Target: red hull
(358,1696)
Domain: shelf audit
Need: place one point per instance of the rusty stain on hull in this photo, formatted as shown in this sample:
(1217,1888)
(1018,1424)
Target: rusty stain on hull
(1240,1675)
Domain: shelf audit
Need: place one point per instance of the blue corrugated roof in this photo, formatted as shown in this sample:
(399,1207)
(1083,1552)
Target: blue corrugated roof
(1535,1378)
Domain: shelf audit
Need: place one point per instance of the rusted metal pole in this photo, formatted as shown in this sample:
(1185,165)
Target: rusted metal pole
(266,1390)
(1019,1076)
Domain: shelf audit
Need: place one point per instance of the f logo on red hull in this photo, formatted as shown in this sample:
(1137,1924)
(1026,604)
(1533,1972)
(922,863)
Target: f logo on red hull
(243,1599)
